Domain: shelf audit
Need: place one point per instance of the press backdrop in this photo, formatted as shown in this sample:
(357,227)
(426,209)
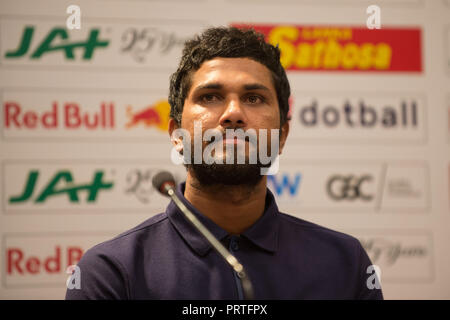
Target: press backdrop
(83,128)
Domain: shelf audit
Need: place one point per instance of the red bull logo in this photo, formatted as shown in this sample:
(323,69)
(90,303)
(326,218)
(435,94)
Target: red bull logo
(156,115)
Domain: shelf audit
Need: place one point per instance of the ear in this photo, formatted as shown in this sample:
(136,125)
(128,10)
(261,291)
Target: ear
(177,142)
(284,135)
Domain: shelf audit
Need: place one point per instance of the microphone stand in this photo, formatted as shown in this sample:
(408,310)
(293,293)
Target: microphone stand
(237,267)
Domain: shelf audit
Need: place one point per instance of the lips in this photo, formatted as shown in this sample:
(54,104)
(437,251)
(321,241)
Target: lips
(234,140)
(225,140)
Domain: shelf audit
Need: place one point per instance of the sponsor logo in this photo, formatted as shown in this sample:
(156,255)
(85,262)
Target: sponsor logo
(348,187)
(139,184)
(34,41)
(61,184)
(72,117)
(18,262)
(351,188)
(57,40)
(83,186)
(369,118)
(43,259)
(140,42)
(284,183)
(86,115)
(402,188)
(156,115)
(341,48)
(363,187)
(402,255)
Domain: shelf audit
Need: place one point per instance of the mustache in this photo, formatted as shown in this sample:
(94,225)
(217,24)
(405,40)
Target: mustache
(220,136)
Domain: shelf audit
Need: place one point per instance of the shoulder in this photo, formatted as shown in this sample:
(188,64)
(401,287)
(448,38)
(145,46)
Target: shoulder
(123,250)
(307,230)
(106,268)
(127,240)
(319,242)
(325,248)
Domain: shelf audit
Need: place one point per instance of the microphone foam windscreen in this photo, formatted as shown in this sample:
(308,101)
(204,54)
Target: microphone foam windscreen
(160,178)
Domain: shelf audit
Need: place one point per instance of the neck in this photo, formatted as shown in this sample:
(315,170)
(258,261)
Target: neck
(233,208)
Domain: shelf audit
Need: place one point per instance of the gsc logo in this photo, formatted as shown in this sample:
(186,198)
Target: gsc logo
(348,187)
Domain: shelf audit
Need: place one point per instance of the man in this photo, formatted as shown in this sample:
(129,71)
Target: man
(227,79)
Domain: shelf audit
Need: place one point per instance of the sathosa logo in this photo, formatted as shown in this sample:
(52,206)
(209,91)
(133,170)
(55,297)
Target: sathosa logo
(155,115)
(344,48)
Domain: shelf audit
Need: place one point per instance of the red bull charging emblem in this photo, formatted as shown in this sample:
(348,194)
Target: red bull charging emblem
(155,115)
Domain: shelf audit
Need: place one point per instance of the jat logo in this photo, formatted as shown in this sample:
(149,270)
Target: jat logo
(156,115)
(330,48)
(57,40)
(62,183)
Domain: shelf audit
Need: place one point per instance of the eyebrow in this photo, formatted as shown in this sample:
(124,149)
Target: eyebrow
(255,86)
(218,86)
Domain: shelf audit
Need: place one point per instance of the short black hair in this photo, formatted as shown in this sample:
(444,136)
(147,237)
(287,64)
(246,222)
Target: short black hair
(227,42)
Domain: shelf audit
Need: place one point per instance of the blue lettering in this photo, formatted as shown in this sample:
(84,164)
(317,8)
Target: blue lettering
(285,183)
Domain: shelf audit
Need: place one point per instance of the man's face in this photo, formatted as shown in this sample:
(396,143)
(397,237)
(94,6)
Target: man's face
(231,93)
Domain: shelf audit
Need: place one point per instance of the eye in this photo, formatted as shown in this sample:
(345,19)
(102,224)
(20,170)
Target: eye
(209,98)
(254,99)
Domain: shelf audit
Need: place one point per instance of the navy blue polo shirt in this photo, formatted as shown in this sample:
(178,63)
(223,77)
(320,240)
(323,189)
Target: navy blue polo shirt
(285,258)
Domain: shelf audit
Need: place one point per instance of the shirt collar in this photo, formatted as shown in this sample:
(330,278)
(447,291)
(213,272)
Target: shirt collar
(263,233)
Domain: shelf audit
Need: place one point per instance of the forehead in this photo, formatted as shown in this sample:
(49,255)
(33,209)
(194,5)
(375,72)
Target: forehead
(232,71)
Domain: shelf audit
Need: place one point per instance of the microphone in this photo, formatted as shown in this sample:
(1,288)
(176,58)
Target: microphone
(164,182)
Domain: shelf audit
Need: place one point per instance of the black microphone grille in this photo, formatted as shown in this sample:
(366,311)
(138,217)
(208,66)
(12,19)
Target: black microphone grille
(162,178)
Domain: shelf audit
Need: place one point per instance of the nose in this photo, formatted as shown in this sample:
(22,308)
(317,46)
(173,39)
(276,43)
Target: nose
(233,116)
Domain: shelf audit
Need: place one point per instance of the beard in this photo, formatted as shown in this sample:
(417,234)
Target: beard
(227,174)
